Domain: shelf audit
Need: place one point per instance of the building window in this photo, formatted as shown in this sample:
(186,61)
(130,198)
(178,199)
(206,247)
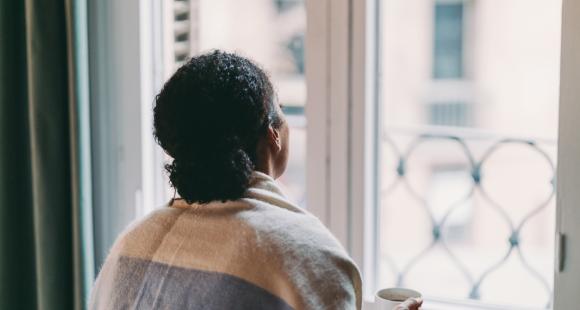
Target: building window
(450,114)
(448,41)
(285,5)
(295,46)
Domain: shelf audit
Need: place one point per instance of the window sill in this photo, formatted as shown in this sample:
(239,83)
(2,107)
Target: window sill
(441,304)
(431,303)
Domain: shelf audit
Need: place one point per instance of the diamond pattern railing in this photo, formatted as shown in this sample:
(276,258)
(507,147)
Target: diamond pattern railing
(477,168)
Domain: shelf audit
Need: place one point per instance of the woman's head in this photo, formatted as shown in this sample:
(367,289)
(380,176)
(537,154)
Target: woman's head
(218,118)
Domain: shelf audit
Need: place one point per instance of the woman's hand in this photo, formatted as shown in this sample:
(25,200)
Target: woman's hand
(410,304)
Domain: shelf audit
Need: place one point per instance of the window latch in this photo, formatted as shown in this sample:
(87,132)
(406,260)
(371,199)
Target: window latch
(561,251)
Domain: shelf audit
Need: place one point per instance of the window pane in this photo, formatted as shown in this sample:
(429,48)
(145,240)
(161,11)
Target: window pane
(469,92)
(270,32)
(448,40)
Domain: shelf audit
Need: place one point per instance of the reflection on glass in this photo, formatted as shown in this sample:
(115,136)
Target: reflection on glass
(470,98)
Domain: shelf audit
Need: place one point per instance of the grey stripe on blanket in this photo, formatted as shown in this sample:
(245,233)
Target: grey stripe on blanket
(191,289)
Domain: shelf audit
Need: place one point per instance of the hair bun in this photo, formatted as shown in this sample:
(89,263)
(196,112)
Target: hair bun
(197,181)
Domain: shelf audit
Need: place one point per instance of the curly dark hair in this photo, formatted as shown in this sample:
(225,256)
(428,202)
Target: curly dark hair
(209,117)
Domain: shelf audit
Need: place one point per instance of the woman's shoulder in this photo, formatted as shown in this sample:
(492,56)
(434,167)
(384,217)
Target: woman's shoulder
(281,222)
(146,229)
(308,253)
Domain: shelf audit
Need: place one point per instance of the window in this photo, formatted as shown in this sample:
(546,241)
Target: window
(271,32)
(448,41)
(140,44)
(421,110)
(449,114)
(284,5)
(451,103)
(475,175)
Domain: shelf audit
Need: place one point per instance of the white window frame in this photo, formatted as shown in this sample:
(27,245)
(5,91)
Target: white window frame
(125,60)
(342,118)
(567,273)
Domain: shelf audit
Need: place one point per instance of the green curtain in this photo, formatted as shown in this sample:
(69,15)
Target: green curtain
(45,232)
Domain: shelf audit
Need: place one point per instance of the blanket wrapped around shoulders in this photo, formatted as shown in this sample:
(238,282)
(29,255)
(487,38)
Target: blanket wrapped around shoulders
(259,252)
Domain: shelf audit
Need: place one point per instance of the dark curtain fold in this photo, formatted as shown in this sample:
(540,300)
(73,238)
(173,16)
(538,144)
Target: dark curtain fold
(39,201)
(17,265)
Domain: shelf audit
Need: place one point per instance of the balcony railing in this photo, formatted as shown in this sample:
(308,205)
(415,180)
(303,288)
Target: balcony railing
(475,151)
(411,153)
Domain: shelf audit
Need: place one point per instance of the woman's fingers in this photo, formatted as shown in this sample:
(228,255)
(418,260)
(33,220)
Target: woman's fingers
(410,304)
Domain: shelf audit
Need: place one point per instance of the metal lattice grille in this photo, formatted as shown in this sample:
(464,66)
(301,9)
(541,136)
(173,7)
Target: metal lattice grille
(476,163)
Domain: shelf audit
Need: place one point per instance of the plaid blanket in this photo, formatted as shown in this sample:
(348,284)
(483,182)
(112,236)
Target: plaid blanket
(259,252)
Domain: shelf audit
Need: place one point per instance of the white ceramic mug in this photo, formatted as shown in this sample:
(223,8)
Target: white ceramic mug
(389,298)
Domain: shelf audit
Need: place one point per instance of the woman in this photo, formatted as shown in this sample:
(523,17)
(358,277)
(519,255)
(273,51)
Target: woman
(232,241)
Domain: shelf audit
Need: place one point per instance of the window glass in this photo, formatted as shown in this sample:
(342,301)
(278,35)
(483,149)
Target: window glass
(448,41)
(270,32)
(469,94)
